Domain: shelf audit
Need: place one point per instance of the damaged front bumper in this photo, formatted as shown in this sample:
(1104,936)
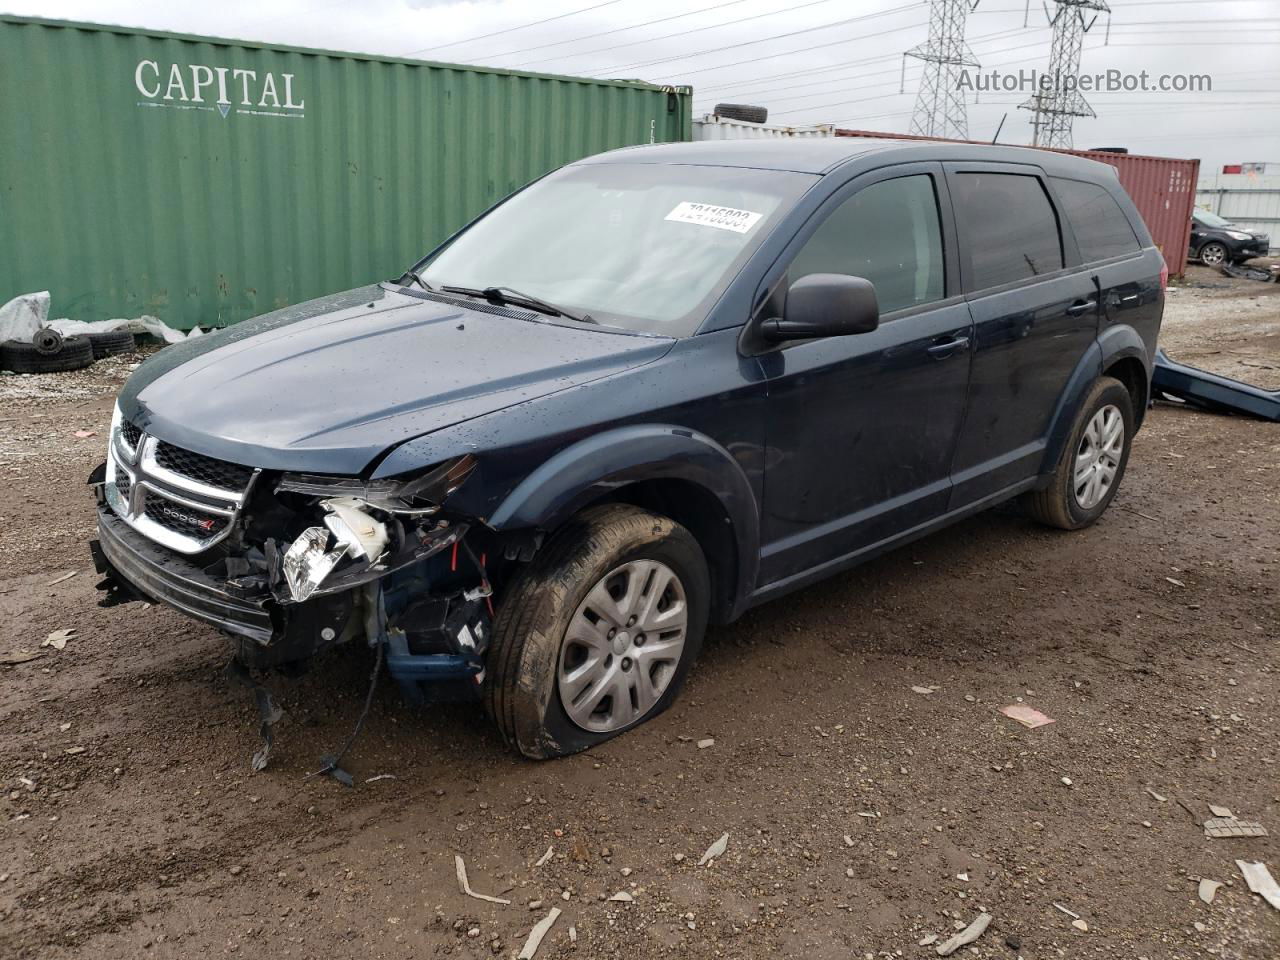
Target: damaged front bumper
(430,606)
(159,575)
(136,568)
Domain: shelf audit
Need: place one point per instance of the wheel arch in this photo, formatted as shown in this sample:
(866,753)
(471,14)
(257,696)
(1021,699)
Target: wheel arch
(1131,371)
(680,473)
(1119,352)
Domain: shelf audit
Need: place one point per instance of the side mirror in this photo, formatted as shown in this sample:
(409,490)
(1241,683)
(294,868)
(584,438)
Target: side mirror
(825,305)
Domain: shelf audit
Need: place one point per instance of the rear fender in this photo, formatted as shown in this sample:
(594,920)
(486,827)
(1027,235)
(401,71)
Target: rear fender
(1114,343)
(607,462)
(1082,377)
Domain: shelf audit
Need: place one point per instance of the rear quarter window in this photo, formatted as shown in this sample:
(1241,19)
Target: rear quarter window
(1101,228)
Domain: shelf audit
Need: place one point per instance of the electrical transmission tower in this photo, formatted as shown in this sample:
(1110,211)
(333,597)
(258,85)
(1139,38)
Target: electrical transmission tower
(1057,106)
(940,109)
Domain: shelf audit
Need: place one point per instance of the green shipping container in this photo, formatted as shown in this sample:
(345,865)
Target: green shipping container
(205,181)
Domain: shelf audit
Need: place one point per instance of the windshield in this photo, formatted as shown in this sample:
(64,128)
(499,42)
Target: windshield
(647,247)
(1211,219)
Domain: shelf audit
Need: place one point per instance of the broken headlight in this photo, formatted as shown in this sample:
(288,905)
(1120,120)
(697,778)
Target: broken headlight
(369,529)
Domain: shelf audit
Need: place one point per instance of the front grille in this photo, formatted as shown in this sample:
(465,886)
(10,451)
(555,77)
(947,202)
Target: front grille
(207,470)
(182,500)
(131,435)
(183,519)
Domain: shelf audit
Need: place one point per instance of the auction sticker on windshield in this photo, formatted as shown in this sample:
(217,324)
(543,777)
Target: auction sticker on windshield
(709,215)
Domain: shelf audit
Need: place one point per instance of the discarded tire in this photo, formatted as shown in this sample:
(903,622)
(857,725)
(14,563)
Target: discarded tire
(47,341)
(109,344)
(23,357)
(742,111)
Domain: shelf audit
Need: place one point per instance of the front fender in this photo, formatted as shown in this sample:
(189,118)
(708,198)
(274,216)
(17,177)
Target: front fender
(608,461)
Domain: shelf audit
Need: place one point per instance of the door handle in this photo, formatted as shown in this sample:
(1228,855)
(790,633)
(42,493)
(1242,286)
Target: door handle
(949,347)
(1081,307)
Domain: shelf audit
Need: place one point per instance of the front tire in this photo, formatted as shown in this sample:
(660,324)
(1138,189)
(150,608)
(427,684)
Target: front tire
(1092,464)
(598,633)
(1213,254)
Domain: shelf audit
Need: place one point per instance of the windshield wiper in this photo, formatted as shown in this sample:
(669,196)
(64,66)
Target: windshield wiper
(419,281)
(514,298)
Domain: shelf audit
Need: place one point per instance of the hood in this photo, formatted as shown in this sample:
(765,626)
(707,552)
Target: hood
(329,385)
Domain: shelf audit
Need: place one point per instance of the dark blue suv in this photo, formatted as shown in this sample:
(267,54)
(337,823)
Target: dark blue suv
(647,392)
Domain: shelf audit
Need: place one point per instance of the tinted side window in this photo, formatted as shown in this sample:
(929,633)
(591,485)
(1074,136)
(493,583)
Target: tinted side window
(1100,226)
(888,233)
(1009,225)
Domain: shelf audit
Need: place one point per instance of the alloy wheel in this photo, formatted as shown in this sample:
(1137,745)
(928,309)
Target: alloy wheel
(1098,457)
(623,646)
(1213,254)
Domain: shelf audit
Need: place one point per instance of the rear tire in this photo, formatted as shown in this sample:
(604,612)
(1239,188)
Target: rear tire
(1092,463)
(23,357)
(545,610)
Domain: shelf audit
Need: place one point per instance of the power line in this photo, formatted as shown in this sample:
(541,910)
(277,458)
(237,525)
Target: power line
(818,46)
(864,61)
(523,26)
(683,33)
(984,38)
(891,56)
(770,56)
(605,33)
(847,102)
(630,66)
(778,36)
(861,76)
(1210,43)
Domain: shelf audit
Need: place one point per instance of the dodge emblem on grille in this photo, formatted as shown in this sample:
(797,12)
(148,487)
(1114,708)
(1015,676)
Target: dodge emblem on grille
(187,517)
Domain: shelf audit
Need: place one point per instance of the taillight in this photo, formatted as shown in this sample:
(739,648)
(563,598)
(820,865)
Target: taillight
(1164,274)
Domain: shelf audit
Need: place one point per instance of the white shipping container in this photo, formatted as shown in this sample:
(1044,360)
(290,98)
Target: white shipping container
(1250,201)
(713,127)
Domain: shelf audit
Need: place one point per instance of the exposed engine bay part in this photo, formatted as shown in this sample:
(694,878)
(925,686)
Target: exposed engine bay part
(311,567)
(1208,391)
(363,537)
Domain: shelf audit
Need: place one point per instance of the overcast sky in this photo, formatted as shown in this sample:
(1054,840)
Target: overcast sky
(773,52)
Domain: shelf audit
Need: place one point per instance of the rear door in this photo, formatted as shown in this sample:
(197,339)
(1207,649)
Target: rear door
(1035,312)
(861,429)
(1110,251)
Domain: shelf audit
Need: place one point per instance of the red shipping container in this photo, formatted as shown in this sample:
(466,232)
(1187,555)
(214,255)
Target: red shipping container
(1162,188)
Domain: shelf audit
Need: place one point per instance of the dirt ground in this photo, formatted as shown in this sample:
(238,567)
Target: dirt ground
(861,815)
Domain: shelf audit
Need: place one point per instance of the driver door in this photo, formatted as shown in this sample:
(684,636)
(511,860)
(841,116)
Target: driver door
(862,428)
